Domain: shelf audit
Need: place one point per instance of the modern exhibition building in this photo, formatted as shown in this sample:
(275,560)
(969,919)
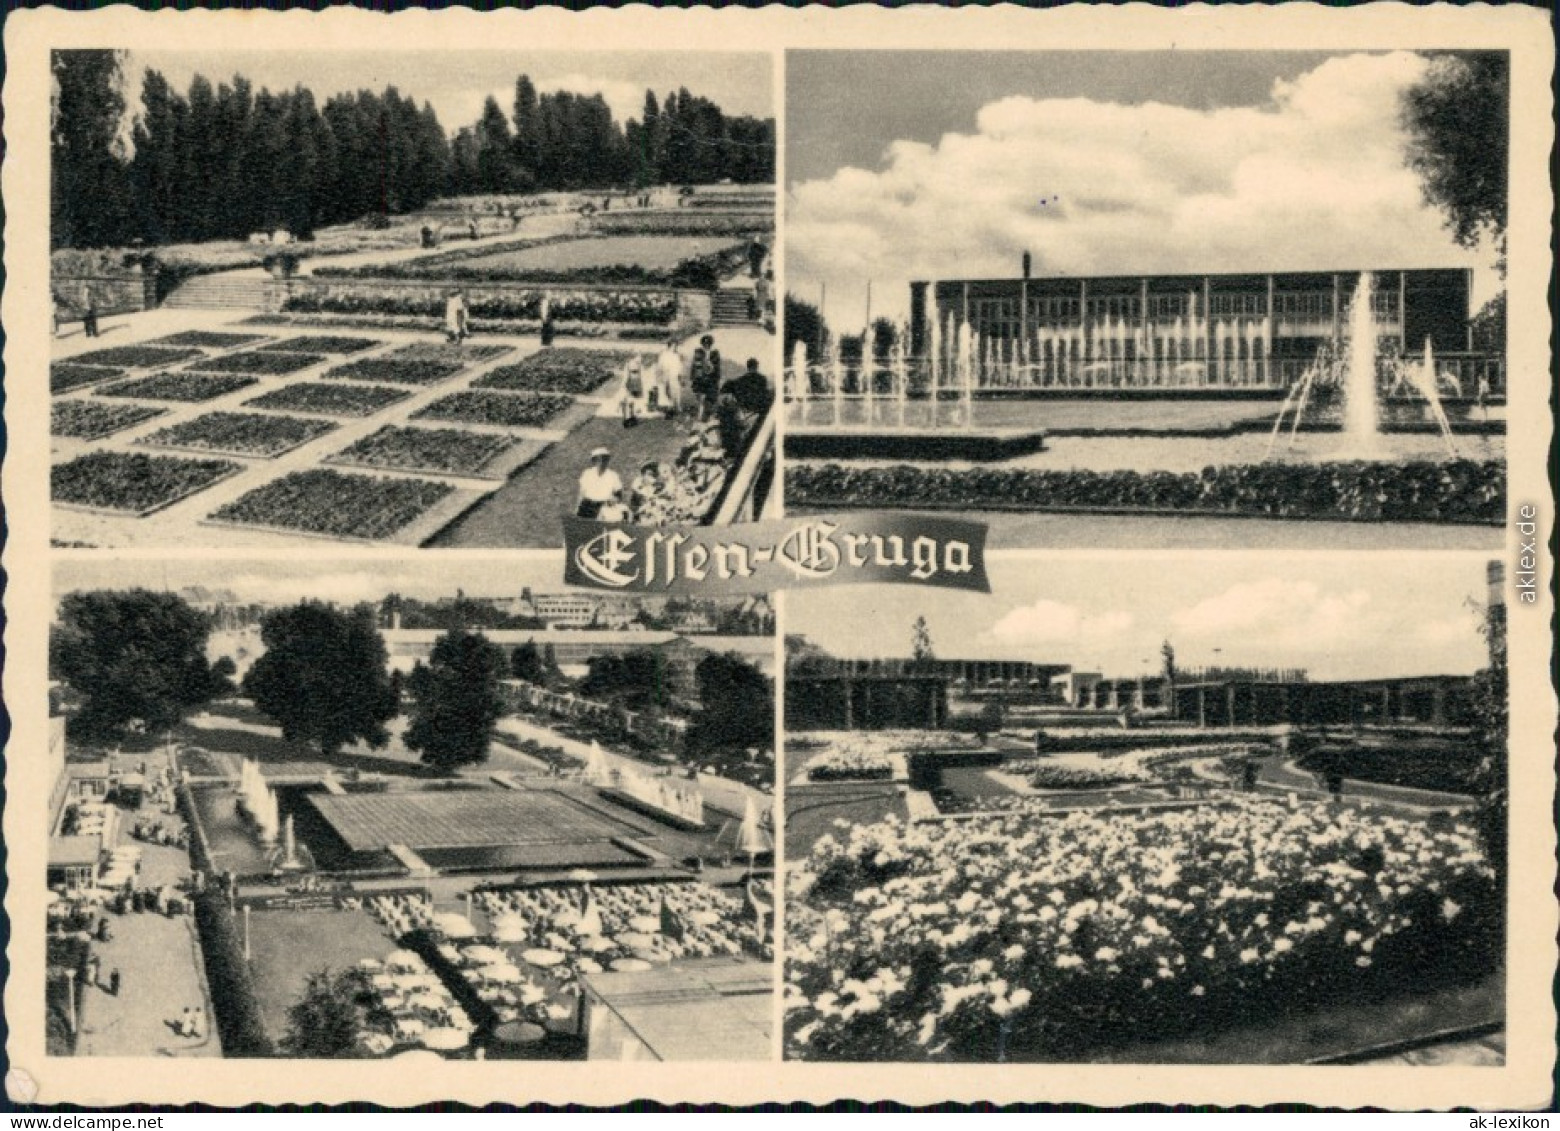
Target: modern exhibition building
(1248,331)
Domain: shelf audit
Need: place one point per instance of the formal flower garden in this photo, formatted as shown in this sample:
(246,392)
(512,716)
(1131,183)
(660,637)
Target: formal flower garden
(239,433)
(444,451)
(265,363)
(65,375)
(1019,937)
(131,482)
(421,363)
(329,399)
(189,387)
(851,761)
(1454,491)
(508,410)
(570,371)
(1047,775)
(342,506)
(86,420)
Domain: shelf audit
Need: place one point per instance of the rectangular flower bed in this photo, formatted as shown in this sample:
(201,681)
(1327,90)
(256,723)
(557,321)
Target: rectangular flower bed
(135,357)
(65,375)
(178,387)
(506,303)
(336,504)
(134,483)
(1459,491)
(207,339)
(851,762)
(574,371)
(410,371)
(330,400)
(511,410)
(87,420)
(240,433)
(447,451)
(322,343)
(267,363)
(467,353)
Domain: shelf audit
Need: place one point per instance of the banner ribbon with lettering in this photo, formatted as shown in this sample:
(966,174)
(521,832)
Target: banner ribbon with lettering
(854,549)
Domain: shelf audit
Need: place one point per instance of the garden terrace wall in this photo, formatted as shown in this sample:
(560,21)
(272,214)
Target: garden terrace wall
(115,294)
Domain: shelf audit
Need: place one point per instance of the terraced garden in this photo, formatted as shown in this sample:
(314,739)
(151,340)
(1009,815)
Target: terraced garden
(240,433)
(335,504)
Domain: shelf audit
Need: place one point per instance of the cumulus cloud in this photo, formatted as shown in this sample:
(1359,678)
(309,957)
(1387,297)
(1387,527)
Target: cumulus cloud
(1048,621)
(1313,180)
(1275,610)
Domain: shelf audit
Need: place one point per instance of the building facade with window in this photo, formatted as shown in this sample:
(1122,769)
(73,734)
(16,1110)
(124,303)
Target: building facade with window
(1247,330)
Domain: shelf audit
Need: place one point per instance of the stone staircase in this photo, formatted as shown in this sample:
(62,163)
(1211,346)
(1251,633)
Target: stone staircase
(227,292)
(731,307)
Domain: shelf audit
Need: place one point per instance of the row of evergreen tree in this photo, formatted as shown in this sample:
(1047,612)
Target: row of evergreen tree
(222,162)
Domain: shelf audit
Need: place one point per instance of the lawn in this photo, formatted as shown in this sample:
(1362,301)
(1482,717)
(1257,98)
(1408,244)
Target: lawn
(287,946)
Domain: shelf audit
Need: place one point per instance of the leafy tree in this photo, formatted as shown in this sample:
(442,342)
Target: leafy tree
(88,184)
(804,324)
(640,680)
(323,1023)
(884,335)
(1488,328)
(323,676)
(1458,121)
(525,662)
(921,642)
(132,656)
(736,706)
(455,700)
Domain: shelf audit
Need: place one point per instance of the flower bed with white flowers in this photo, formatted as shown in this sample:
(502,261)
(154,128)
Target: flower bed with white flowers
(1057,938)
(514,302)
(849,761)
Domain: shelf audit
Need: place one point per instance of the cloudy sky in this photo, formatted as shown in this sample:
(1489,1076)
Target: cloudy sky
(457,82)
(1359,617)
(907,165)
(343,580)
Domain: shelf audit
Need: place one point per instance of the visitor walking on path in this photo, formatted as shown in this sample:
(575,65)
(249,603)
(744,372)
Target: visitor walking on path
(89,320)
(456,318)
(669,371)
